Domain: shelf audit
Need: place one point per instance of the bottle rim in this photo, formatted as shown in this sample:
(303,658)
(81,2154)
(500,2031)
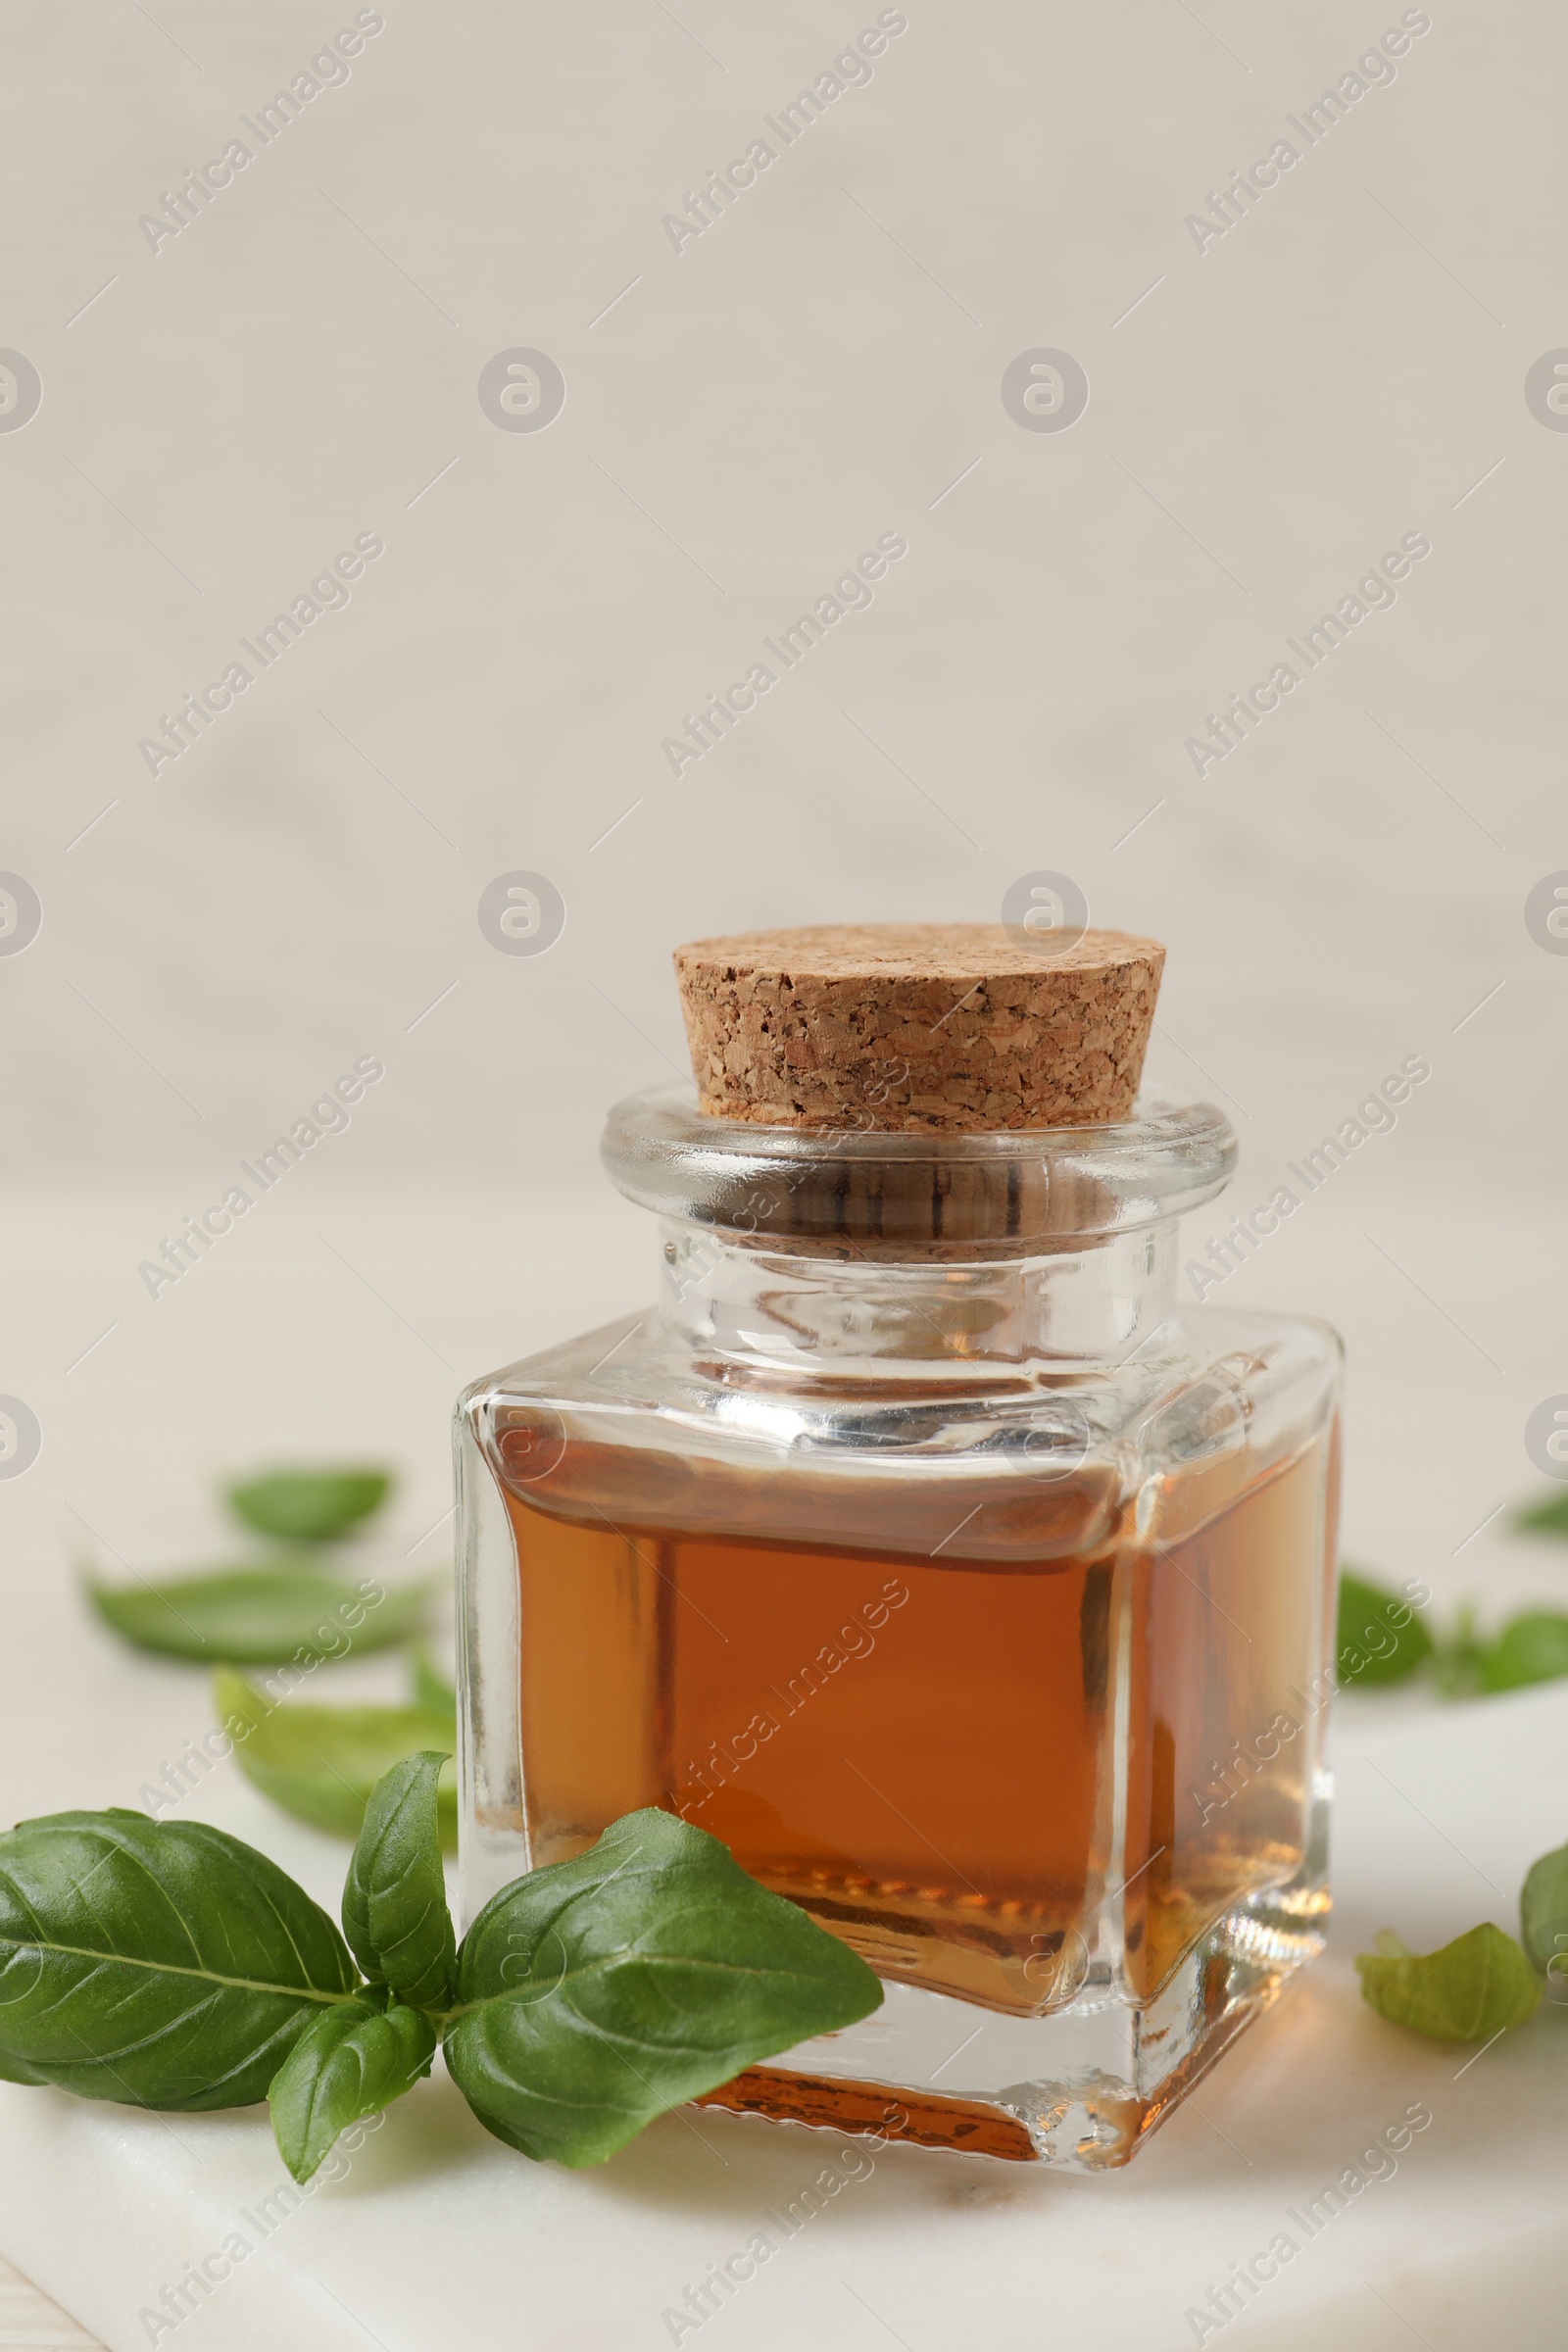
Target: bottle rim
(998,1188)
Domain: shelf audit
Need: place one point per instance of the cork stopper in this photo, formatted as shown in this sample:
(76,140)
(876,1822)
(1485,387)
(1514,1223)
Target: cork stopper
(947,1027)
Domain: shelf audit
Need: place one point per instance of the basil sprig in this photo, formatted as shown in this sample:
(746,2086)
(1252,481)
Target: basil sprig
(164,1964)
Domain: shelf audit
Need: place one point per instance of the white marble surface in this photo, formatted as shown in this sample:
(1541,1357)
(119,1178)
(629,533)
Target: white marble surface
(438,2236)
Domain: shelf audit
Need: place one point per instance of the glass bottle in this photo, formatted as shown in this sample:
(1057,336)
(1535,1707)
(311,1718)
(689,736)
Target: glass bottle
(921,1544)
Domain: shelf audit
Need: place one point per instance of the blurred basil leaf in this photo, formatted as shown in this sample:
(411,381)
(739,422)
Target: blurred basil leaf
(1531,1648)
(321,1763)
(1544,1919)
(1456,1661)
(351,2061)
(1379,1638)
(395,1900)
(1467,1992)
(310,1506)
(430,1689)
(163,1964)
(261,1616)
(1546,1518)
(597,1993)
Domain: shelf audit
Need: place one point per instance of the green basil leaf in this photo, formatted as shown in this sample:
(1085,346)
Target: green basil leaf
(1547,1518)
(1380,1638)
(1544,1917)
(1531,1648)
(261,1616)
(431,1689)
(321,1763)
(1468,1991)
(596,1993)
(310,1506)
(349,2062)
(395,1912)
(162,1964)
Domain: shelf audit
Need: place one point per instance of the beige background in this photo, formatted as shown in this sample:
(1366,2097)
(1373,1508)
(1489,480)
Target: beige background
(815,370)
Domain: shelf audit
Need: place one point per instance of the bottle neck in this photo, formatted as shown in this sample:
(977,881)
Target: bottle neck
(857,1317)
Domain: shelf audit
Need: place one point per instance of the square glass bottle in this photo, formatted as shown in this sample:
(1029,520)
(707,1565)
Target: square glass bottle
(920,1546)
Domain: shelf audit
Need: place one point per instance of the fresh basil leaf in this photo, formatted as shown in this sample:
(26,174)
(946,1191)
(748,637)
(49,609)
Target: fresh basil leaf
(1544,1919)
(162,1964)
(310,1506)
(596,1993)
(1547,1518)
(395,1912)
(1531,1648)
(261,1616)
(1468,1991)
(321,1763)
(431,1689)
(350,2061)
(1379,1638)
